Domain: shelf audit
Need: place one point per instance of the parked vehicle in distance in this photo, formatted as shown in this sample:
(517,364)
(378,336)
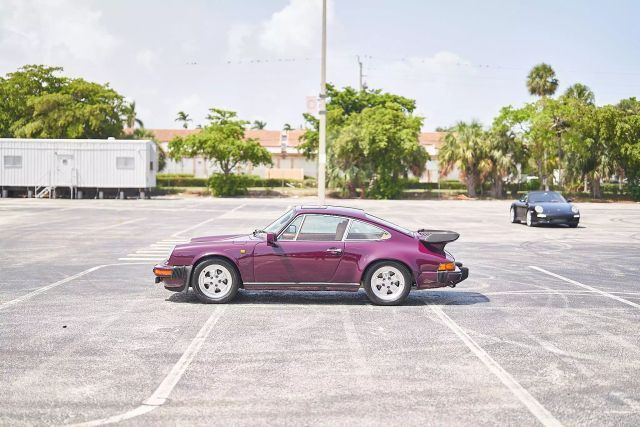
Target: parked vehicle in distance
(544,207)
(315,248)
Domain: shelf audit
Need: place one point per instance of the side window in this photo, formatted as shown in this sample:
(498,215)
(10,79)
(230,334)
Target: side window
(323,228)
(362,231)
(13,162)
(292,229)
(125,163)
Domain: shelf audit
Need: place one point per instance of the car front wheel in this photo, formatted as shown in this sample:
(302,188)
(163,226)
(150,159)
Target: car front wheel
(387,283)
(215,281)
(529,219)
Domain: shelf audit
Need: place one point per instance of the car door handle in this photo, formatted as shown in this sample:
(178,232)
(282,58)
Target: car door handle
(335,251)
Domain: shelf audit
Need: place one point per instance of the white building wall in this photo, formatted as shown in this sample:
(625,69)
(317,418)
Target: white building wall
(79,163)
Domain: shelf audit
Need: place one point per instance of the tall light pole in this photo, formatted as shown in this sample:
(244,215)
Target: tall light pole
(322,110)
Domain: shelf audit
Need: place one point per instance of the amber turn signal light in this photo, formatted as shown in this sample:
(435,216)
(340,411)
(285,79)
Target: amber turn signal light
(162,272)
(447,266)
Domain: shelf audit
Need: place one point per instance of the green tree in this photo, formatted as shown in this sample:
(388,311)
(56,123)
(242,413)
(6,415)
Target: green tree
(345,166)
(29,81)
(287,127)
(221,141)
(581,93)
(258,124)
(466,147)
(184,119)
(506,147)
(80,109)
(542,80)
(131,116)
(378,147)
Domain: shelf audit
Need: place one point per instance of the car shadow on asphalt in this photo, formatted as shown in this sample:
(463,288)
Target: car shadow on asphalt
(415,298)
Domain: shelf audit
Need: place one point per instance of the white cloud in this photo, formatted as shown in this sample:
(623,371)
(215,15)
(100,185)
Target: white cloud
(53,30)
(292,31)
(148,58)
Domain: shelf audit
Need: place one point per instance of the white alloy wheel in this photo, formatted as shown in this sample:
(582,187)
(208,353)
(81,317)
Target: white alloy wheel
(529,219)
(215,281)
(388,283)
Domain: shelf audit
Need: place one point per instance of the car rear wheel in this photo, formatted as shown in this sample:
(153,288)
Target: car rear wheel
(529,219)
(215,281)
(387,283)
(513,216)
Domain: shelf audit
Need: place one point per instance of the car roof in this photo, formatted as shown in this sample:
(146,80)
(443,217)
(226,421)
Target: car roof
(332,210)
(542,191)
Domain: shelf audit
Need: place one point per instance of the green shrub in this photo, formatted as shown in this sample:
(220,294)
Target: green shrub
(633,188)
(180,180)
(222,185)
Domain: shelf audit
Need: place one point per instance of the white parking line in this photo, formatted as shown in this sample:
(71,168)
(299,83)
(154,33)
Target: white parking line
(591,288)
(160,396)
(537,410)
(55,284)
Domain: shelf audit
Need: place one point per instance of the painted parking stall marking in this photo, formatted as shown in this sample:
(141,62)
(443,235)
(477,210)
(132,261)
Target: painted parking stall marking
(158,251)
(536,409)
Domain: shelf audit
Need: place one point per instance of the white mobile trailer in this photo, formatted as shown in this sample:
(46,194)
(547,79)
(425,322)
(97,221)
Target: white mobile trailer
(77,164)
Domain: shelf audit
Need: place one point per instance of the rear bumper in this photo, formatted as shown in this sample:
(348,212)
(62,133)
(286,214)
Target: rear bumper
(439,279)
(174,277)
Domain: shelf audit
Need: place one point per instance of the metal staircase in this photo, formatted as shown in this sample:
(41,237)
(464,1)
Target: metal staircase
(44,191)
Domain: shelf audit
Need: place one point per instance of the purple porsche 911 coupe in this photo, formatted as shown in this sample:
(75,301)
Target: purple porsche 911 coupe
(315,248)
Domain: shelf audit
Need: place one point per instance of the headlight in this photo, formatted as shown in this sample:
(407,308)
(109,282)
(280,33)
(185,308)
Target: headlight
(539,209)
(574,209)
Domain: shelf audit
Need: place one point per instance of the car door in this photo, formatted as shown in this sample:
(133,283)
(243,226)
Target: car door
(309,250)
(521,207)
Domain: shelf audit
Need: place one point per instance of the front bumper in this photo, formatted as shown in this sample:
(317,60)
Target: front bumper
(556,219)
(174,277)
(440,279)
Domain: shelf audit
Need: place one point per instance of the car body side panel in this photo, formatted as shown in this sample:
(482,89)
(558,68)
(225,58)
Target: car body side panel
(358,255)
(297,261)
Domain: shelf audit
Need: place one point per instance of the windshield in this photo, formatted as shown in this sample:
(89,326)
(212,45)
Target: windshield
(391,225)
(277,225)
(550,196)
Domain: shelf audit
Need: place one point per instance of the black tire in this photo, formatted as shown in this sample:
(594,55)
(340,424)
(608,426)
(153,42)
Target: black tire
(206,278)
(513,217)
(530,222)
(573,224)
(389,280)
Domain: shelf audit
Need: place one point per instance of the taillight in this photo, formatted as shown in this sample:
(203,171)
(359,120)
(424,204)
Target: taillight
(447,266)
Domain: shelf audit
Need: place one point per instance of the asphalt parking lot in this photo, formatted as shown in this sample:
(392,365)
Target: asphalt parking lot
(545,330)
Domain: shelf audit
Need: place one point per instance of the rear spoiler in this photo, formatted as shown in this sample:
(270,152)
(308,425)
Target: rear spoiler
(437,239)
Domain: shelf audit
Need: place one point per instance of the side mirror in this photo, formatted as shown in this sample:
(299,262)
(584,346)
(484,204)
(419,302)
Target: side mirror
(569,200)
(271,239)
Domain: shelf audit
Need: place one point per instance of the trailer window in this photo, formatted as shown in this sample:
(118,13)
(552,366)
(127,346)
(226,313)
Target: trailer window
(13,162)
(151,165)
(125,163)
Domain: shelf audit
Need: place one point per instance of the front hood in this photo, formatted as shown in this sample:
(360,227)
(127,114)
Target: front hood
(204,239)
(555,208)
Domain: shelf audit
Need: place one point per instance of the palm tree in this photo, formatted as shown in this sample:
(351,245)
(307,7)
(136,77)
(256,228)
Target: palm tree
(130,116)
(542,80)
(184,118)
(465,147)
(287,127)
(258,124)
(581,93)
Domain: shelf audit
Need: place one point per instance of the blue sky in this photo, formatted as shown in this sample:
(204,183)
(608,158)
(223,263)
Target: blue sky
(460,60)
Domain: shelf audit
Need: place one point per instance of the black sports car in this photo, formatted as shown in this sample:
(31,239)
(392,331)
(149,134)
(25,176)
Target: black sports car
(544,207)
